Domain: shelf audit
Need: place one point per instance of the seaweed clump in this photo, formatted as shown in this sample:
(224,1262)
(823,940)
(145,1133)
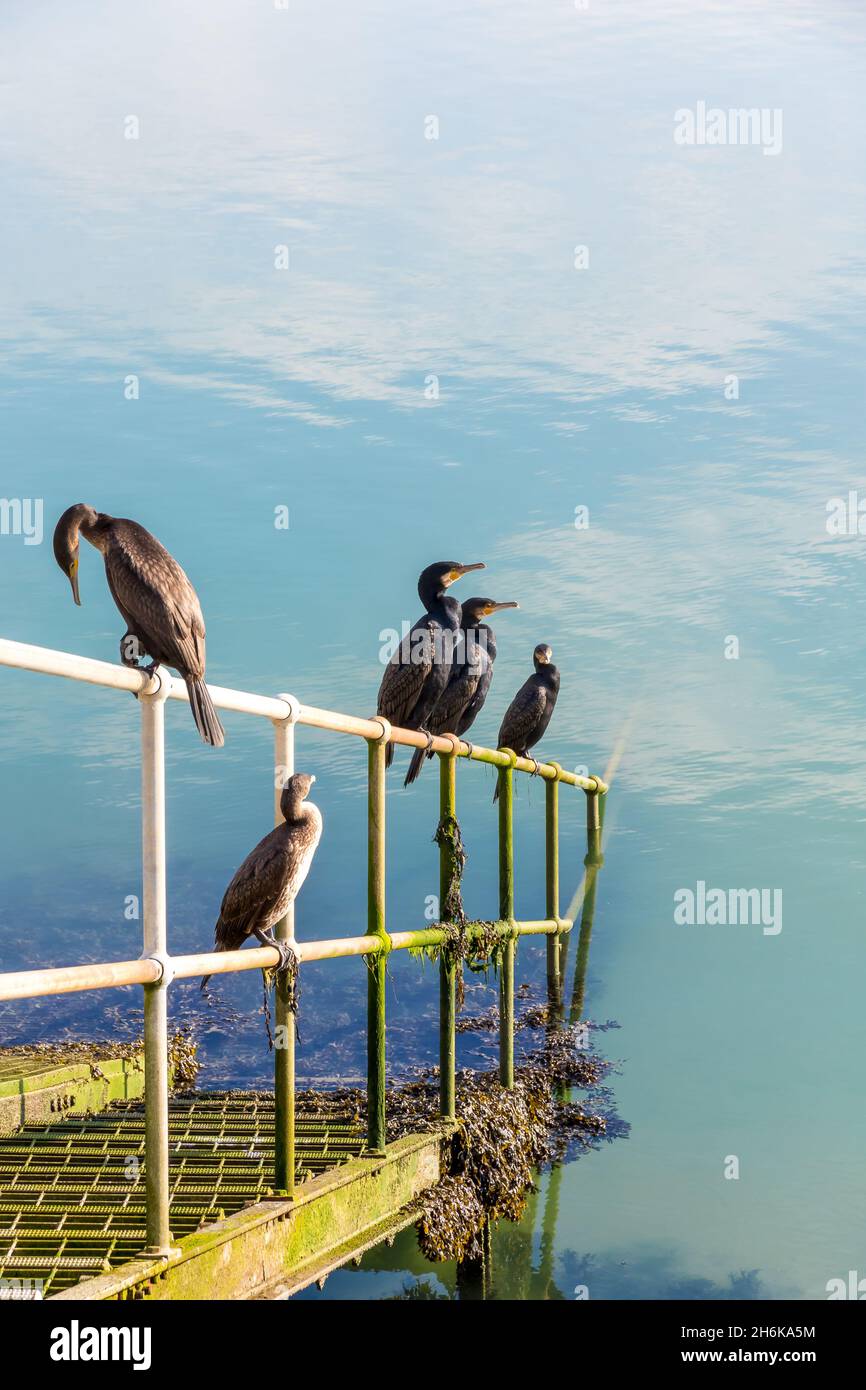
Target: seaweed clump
(182,1058)
(483,948)
(501,1138)
(449,836)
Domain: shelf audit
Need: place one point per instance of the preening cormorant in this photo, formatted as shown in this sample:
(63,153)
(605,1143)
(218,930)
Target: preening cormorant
(418,671)
(156,600)
(529,713)
(460,702)
(268,881)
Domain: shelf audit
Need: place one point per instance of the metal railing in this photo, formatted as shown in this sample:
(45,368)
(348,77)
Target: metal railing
(156,969)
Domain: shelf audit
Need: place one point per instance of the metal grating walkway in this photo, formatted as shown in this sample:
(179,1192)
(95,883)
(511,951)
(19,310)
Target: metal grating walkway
(72,1201)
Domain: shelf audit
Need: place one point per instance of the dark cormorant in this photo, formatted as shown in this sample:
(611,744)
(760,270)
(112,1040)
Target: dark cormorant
(418,671)
(460,702)
(156,600)
(268,881)
(529,713)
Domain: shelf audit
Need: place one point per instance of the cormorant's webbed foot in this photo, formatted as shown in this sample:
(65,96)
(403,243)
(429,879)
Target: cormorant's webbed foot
(536,769)
(429,737)
(470,746)
(287,955)
(131,653)
(146,671)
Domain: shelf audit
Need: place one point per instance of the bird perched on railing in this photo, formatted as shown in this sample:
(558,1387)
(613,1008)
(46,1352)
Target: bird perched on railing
(156,600)
(463,697)
(271,876)
(528,715)
(418,671)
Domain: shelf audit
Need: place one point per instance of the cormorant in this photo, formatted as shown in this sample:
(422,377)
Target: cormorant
(529,713)
(271,876)
(418,671)
(460,702)
(156,600)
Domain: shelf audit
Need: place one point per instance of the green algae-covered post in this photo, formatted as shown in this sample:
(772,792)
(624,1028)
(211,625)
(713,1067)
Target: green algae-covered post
(447,961)
(551,862)
(506,914)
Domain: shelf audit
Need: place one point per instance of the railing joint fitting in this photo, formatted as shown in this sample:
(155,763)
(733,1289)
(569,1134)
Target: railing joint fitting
(158,692)
(294,708)
(166,967)
(386,727)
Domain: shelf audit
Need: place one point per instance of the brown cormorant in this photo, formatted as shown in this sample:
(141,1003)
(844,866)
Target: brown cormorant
(418,671)
(268,881)
(529,713)
(156,600)
(460,702)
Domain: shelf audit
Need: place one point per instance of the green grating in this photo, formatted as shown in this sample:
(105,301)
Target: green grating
(72,1192)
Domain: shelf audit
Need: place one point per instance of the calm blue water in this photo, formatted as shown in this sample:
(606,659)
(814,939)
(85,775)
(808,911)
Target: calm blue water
(608,388)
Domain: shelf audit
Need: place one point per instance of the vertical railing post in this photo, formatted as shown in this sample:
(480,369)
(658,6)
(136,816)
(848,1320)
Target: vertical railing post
(284,1037)
(447,962)
(506,913)
(155,944)
(593,824)
(376,965)
(551,864)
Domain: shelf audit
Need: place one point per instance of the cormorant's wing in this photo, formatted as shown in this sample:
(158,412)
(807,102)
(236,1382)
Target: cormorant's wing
(523,716)
(450,709)
(256,893)
(476,703)
(154,595)
(407,672)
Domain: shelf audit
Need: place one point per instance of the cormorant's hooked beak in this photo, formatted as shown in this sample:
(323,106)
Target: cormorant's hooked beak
(459,570)
(73,579)
(495,607)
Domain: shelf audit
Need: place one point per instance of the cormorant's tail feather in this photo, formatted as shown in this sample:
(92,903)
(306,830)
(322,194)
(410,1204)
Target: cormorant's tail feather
(415,766)
(389,754)
(204,713)
(496,791)
(217,947)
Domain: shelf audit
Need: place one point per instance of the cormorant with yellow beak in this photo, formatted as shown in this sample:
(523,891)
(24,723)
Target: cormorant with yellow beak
(418,672)
(463,697)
